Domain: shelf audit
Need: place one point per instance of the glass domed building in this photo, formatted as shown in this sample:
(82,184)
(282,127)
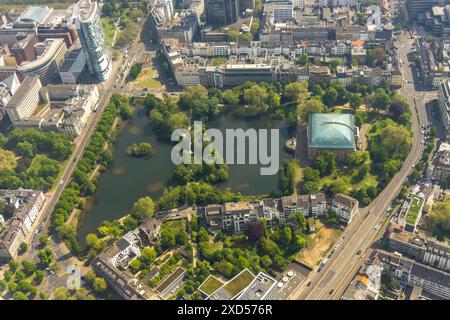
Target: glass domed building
(334,132)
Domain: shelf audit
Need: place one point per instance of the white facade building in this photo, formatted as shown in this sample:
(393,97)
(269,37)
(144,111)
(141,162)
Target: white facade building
(25,100)
(344,207)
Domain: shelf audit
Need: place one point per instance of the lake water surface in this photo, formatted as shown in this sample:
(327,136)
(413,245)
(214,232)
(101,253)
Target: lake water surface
(128,178)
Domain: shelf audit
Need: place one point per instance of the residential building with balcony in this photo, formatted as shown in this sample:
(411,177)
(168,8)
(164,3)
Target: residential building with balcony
(19,219)
(213,216)
(318,204)
(344,207)
(236,215)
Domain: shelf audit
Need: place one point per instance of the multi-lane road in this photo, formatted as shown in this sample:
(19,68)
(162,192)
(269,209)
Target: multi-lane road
(119,72)
(332,280)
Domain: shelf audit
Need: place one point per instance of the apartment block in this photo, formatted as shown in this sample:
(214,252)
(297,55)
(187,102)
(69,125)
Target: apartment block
(112,263)
(318,204)
(441,163)
(213,216)
(344,207)
(427,251)
(236,215)
(19,219)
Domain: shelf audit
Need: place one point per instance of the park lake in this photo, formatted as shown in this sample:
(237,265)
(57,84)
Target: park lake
(128,178)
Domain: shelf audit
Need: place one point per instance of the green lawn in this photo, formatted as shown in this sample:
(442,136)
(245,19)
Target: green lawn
(218,61)
(413,212)
(210,285)
(239,283)
(145,79)
(108,27)
(350,176)
(176,226)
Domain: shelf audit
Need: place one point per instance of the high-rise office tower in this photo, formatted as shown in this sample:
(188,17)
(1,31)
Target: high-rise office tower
(221,12)
(90,30)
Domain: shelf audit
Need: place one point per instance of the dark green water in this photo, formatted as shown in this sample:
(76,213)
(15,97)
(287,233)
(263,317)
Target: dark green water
(128,179)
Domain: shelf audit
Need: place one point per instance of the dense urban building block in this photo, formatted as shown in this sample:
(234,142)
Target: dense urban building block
(20,218)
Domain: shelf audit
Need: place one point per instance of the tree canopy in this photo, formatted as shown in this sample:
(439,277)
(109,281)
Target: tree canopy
(309,107)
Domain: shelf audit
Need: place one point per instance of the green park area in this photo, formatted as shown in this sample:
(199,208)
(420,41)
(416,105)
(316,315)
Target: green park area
(146,79)
(174,227)
(32,159)
(108,28)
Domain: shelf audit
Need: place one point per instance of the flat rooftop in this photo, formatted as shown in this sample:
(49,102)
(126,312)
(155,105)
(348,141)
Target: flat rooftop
(210,285)
(259,288)
(237,206)
(234,286)
(85,9)
(414,209)
(407,237)
(170,279)
(35,14)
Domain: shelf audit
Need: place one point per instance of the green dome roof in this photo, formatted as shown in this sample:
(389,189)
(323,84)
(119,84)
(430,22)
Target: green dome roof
(331,131)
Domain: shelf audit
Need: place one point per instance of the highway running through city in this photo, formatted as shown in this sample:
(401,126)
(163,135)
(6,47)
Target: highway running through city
(331,282)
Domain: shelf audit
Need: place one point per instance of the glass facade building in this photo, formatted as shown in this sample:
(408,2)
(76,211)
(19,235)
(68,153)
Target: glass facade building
(90,31)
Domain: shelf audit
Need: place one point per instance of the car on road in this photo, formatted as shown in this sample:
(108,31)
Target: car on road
(359,252)
(331,292)
(308,284)
(377,227)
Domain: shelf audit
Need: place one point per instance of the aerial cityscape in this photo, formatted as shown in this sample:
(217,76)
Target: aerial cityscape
(225,150)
